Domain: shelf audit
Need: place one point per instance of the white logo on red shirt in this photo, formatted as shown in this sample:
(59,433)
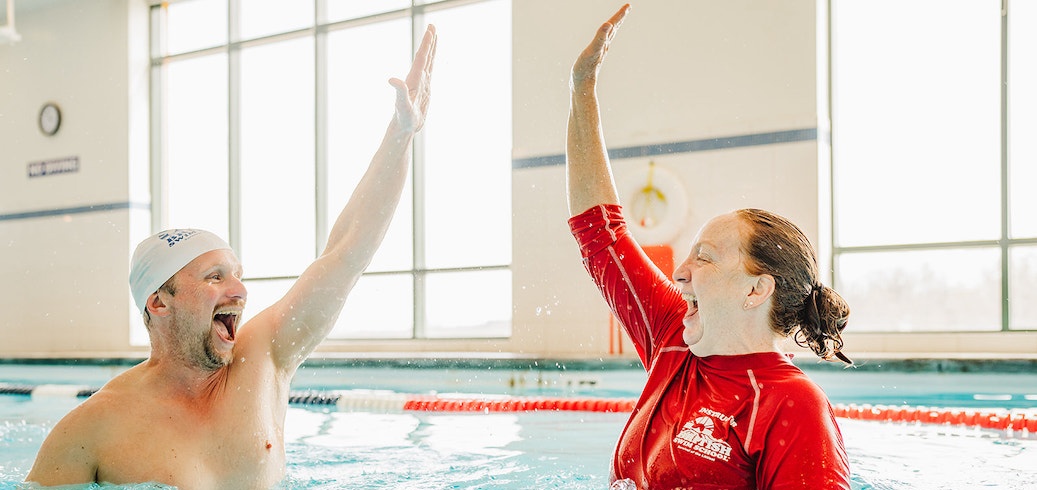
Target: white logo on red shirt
(697,437)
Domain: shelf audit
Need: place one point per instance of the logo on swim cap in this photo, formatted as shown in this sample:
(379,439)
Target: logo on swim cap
(172,237)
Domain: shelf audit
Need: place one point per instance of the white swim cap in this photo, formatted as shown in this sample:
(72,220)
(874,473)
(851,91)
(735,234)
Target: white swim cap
(160,256)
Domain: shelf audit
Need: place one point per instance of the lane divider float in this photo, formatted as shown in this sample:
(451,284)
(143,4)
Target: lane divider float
(997,419)
(1020,421)
(390,400)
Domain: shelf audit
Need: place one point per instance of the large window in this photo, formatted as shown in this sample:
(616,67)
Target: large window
(934,104)
(267,113)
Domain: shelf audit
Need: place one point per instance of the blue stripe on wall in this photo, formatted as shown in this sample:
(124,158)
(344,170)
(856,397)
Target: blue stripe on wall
(94,208)
(808,134)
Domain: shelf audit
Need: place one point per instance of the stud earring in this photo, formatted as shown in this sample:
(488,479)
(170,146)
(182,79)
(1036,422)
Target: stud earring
(747,305)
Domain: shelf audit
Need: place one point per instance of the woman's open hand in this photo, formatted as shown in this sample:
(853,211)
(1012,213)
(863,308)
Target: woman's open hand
(585,70)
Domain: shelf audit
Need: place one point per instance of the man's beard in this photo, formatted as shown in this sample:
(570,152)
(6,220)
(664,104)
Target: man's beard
(200,350)
(212,360)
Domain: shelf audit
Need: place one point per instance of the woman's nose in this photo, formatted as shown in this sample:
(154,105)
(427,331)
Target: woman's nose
(682,274)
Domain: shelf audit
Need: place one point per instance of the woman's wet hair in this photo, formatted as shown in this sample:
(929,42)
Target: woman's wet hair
(814,314)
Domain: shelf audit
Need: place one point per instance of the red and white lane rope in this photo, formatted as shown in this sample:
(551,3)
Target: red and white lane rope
(389,400)
(998,419)
(1021,421)
(458,402)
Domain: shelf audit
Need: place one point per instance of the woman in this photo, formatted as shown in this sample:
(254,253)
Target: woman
(723,407)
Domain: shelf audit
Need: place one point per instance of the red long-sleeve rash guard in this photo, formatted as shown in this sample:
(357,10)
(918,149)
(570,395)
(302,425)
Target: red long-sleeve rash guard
(751,421)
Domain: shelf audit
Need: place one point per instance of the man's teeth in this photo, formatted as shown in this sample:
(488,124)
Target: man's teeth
(228,319)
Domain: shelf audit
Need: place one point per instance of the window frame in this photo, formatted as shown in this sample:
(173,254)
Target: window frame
(1005,243)
(319,29)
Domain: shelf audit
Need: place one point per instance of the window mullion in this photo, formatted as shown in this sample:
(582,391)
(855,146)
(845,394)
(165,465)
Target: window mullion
(234,124)
(158,165)
(1005,266)
(418,200)
(320,112)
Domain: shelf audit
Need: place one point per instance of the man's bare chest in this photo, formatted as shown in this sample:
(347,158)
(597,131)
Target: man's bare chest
(237,445)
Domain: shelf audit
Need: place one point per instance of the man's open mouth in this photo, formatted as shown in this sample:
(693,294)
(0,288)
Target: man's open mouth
(226,322)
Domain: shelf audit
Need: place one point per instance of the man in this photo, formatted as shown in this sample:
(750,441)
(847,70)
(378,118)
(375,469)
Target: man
(206,410)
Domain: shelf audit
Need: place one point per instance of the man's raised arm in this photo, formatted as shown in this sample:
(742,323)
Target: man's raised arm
(304,317)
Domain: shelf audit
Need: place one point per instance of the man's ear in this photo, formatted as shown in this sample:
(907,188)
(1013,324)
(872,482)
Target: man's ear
(763,288)
(156,306)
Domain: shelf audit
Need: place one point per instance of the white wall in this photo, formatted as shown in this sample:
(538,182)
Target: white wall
(63,275)
(678,71)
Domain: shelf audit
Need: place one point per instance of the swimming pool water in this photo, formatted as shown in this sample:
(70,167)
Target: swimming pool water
(331,449)
(419,451)
(328,449)
(888,456)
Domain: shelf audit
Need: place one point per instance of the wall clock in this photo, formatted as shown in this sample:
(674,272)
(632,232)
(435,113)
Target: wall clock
(50,119)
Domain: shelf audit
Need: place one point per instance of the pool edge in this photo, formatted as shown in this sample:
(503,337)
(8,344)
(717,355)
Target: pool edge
(928,363)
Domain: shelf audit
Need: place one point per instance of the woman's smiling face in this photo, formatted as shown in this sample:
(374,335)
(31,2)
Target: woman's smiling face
(715,284)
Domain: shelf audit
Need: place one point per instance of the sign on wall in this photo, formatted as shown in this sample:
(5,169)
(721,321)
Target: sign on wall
(52,167)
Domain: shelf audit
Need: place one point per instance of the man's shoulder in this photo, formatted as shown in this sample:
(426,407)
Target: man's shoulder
(73,440)
(112,403)
(96,411)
